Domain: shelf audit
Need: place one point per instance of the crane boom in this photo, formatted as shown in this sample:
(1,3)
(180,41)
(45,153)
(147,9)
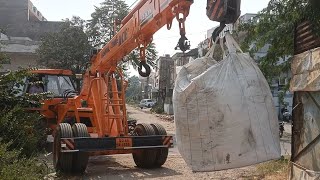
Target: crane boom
(138,28)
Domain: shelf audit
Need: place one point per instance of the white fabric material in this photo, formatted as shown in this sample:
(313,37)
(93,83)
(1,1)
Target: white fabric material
(224,113)
(305,69)
(298,173)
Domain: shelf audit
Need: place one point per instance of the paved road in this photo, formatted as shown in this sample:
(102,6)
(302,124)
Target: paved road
(285,141)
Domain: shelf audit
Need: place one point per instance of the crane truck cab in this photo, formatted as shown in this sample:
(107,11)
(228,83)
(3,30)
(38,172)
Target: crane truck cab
(58,85)
(57,82)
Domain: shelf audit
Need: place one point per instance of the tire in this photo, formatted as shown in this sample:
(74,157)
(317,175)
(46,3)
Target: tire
(80,159)
(162,154)
(145,158)
(149,106)
(62,161)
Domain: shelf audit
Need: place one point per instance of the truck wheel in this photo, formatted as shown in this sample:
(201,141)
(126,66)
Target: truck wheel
(162,153)
(62,161)
(144,158)
(80,159)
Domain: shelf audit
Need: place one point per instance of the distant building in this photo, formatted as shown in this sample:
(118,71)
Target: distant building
(165,76)
(20,50)
(248,17)
(22,25)
(164,73)
(17,11)
(164,82)
(147,86)
(20,18)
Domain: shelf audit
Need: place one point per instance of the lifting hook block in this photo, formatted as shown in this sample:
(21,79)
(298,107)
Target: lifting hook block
(146,67)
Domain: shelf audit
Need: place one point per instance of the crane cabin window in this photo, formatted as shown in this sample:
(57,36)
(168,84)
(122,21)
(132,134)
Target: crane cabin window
(59,84)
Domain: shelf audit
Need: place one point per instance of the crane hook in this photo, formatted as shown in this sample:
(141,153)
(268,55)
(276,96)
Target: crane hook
(146,67)
(217,31)
(183,44)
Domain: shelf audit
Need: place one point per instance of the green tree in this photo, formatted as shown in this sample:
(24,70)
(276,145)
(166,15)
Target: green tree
(67,49)
(101,28)
(134,89)
(274,26)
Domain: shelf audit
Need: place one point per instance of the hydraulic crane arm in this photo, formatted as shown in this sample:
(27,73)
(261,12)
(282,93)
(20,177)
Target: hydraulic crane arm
(138,28)
(147,18)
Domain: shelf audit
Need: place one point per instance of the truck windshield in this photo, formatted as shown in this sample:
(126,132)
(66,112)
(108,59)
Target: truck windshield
(59,84)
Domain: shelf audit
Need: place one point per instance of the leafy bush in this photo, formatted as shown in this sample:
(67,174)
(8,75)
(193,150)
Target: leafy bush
(21,135)
(14,167)
(21,128)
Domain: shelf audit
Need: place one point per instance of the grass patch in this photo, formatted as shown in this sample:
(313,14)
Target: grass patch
(272,170)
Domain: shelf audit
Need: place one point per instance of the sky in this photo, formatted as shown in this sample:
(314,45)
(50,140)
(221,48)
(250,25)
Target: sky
(197,22)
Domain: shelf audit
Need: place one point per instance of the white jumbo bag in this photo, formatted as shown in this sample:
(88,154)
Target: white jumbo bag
(224,113)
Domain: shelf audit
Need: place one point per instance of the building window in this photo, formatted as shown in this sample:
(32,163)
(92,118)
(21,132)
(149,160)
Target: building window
(34,9)
(38,13)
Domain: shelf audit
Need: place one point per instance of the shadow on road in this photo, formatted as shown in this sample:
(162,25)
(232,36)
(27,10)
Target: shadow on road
(103,167)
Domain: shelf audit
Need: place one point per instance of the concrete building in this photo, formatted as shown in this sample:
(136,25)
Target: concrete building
(16,11)
(164,82)
(20,50)
(147,86)
(20,18)
(22,25)
(165,76)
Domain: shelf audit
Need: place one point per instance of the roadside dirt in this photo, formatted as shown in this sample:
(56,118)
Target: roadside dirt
(145,116)
(123,167)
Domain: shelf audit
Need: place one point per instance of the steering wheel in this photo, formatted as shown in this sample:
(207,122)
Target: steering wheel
(69,93)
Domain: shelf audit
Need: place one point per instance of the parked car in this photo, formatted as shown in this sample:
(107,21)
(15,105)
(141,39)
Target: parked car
(146,103)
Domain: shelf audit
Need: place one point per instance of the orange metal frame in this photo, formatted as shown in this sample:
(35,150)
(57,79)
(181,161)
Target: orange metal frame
(102,90)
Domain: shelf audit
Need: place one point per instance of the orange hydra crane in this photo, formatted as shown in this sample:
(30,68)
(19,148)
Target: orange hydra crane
(94,122)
